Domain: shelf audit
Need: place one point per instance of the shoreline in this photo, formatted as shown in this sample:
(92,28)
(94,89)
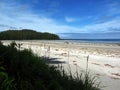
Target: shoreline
(104,59)
(105,49)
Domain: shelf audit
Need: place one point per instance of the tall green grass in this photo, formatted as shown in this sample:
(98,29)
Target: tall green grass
(23,70)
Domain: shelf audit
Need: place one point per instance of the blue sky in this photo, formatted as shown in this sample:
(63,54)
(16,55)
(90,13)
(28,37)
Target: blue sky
(61,16)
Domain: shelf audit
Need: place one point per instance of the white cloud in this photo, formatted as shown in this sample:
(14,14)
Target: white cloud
(31,21)
(107,26)
(11,16)
(70,19)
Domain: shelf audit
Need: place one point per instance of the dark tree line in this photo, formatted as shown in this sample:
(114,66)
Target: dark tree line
(27,34)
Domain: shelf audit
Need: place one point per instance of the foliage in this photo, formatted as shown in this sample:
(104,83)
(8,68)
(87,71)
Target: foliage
(26,34)
(23,70)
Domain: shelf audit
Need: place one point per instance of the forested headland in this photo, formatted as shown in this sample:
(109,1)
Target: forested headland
(27,34)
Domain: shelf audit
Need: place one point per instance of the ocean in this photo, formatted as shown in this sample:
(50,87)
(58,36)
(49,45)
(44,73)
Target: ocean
(92,40)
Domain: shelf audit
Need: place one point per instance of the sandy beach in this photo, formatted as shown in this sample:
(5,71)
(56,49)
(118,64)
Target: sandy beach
(103,59)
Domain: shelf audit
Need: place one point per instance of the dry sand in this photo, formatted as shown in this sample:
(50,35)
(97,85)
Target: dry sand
(103,59)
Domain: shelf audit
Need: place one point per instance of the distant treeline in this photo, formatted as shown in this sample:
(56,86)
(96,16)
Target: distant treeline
(27,34)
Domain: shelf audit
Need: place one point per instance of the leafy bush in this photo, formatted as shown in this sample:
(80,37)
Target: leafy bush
(23,70)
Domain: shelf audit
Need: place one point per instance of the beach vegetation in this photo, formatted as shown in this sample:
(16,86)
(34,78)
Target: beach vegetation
(23,70)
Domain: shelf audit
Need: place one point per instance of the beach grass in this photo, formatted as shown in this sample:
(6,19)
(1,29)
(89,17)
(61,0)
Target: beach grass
(23,70)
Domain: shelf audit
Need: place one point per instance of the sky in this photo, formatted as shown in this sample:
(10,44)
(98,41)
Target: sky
(62,16)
